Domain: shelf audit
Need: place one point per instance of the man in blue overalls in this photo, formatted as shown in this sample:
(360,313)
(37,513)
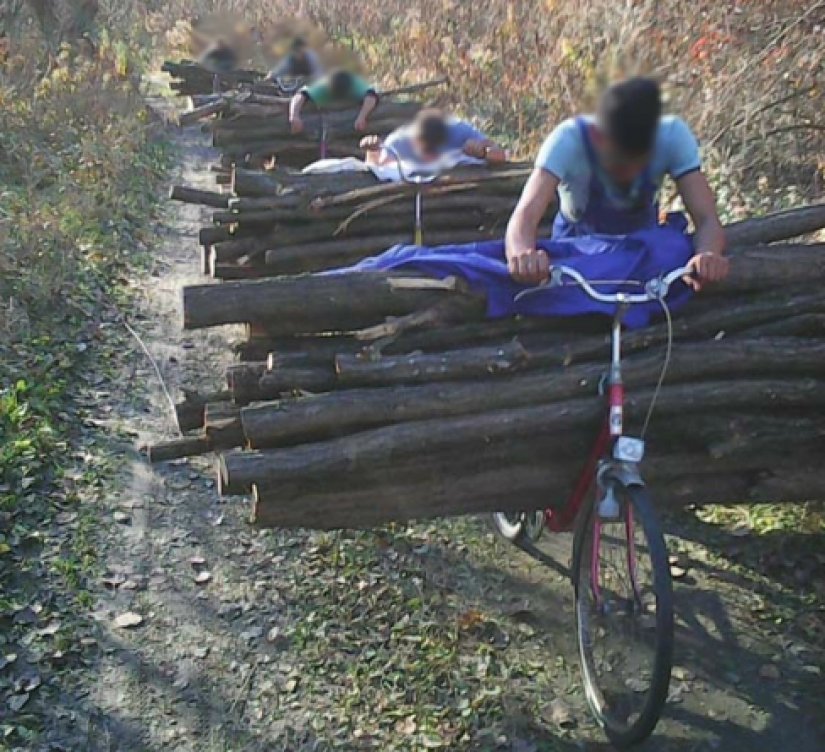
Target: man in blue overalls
(605,171)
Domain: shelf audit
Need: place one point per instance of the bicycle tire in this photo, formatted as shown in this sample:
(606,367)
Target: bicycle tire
(624,736)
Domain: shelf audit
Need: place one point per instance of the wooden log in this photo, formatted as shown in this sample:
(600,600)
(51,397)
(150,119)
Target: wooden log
(308,150)
(178,448)
(338,126)
(533,486)
(256,183)
(318,256)
(804,325)
(211,235)
(293,421)
(189,413)
(369,450)
(222,425)
(205,110)
(467,177)
(189,195)
(769,267)
(781,225)
(275,384)
(313,303)
(416,369)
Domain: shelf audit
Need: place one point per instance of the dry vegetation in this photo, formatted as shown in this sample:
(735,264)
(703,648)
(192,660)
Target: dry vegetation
(747,75)
(78,170)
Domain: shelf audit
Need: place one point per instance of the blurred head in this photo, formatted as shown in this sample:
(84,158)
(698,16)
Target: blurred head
(298,48)
(429,134)
(627,120)
(340,83)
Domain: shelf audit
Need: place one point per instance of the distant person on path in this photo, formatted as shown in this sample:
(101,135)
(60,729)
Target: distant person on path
(219,57)
(605,171)
(339,87)
(431,135)
(301,62)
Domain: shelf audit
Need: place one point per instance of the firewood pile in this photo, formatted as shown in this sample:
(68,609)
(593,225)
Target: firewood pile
(281,220)
(369,397)
(286,222)
(190,78)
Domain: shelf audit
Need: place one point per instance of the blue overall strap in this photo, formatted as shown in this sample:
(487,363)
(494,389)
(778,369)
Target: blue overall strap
(581,123)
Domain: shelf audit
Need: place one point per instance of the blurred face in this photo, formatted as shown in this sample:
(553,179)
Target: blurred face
(423,152)
(620,167)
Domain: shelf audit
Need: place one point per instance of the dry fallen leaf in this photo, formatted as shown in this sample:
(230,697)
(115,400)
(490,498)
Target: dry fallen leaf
(560,713)
(129,620)
(406,726)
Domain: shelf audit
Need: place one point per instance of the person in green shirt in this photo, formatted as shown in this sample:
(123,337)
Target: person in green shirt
(339,87)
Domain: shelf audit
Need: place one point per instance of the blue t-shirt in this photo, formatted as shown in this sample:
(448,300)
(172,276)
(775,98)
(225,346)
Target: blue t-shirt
(459,132)
(564,154)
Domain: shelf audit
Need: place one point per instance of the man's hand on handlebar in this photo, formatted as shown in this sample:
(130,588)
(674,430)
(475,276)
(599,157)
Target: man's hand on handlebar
(707,268)
(475,148)
(531,267)
(371,143)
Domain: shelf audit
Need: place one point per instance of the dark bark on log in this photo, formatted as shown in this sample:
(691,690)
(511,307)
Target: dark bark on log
(294,421)
(253,183)
(806,325)
(205,110)
(274,384)
(307,149)
(770,267)
(479,176)
(313,303)
(195,196)
(189,413)
(176,449)
(365,452)
(224,431)
(777,226)
(338,125)
(329,254)
(515,488)
(415,369)
(212,235)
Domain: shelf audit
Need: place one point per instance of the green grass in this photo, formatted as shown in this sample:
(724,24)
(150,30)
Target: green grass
(79,192)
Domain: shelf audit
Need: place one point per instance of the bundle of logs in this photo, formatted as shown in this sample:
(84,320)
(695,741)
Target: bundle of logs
(283,221)
(380,397)
(190,78)
(286,222)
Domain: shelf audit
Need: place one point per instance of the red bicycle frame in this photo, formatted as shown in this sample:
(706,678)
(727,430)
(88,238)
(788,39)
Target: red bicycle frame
(564,519)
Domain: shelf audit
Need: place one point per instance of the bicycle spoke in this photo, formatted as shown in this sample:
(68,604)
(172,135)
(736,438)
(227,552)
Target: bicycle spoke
(618,617)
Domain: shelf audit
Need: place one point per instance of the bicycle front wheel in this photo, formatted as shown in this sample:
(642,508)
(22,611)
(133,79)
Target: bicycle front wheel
(624,617)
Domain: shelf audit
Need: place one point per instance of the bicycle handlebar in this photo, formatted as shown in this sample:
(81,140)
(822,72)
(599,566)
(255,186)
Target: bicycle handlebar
(289,84)
(655,289)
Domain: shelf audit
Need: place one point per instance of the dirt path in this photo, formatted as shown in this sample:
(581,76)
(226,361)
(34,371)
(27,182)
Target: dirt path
(427,637)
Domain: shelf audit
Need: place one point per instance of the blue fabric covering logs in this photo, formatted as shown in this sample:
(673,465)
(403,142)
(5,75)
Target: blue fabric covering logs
(639,256)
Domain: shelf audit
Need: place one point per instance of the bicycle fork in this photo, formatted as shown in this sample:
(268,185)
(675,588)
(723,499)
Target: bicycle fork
(621,469)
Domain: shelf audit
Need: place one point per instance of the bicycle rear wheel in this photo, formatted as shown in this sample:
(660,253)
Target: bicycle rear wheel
(624,617)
